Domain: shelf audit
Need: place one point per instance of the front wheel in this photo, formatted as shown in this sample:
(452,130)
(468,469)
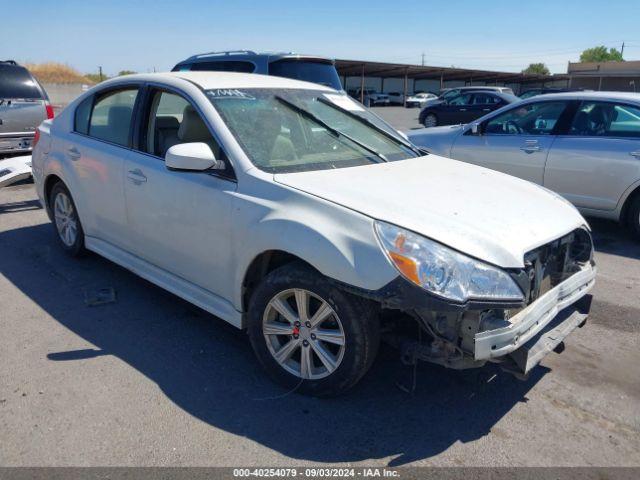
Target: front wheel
(308,334)
(430,120)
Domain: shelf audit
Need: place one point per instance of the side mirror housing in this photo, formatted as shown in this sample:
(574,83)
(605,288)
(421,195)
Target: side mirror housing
(475,128)
(195,156)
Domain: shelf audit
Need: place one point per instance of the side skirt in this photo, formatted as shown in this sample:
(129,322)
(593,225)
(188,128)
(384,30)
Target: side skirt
(200,297)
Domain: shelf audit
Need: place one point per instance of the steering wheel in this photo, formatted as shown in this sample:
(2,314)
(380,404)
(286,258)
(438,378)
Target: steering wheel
(513,127)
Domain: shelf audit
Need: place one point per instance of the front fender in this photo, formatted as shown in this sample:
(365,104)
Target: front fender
(338,242)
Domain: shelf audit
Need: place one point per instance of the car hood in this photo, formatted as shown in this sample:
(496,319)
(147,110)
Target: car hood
(486,214)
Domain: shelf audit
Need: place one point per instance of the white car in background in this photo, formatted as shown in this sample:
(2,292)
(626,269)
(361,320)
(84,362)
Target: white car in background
(289,210)
(583,145)
(420,99)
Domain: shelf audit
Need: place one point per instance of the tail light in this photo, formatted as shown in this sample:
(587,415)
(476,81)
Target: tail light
(35,138)
(49,109)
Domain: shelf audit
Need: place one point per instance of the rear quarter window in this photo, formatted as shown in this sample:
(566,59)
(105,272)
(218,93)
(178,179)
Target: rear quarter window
(81,118)
(17,82)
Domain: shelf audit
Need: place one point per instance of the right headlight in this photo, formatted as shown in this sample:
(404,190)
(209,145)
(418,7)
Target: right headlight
(443,271)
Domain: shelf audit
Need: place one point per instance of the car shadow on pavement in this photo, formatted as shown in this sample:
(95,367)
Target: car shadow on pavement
(613,238)
(206,367)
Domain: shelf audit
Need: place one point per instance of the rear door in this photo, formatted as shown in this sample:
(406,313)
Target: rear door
(516,141)
(96,151)
(598,158)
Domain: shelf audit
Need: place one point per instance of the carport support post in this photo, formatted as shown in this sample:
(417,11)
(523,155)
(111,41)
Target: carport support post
(600,84)
(362,85)
(441,81)
(406,86)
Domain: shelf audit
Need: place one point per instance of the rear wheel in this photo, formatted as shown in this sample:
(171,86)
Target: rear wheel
(633,216)
(309,335)
(66,221)
(430,120)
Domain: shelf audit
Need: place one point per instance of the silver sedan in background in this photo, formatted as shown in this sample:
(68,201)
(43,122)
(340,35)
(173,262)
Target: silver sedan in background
(583,145)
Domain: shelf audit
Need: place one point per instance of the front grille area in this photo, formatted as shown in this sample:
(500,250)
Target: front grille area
(551,264)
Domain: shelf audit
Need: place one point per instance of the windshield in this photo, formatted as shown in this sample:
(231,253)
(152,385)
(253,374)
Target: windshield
(289,130)
(307,70)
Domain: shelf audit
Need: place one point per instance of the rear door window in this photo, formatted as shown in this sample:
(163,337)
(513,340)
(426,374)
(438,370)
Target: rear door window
(604,119)
(16,82)
(111,116)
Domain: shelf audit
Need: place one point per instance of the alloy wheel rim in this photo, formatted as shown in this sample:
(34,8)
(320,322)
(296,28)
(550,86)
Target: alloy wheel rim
(303,334)
(65,219)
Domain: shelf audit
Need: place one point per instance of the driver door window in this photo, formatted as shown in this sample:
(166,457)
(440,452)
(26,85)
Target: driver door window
(532,119)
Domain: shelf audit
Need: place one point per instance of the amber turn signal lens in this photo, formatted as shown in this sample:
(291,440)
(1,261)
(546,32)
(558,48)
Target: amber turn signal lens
(407,266)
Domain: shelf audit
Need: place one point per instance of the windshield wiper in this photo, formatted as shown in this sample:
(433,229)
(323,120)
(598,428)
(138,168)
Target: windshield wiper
(334,131)
(368,122)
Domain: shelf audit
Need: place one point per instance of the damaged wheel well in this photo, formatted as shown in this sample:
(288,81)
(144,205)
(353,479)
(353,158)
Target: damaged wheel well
(260,267)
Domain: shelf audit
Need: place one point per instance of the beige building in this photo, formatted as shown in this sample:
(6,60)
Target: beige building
(617,76)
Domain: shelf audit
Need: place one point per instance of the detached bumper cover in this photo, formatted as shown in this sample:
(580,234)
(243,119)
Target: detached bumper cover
(534,318)
(14,169)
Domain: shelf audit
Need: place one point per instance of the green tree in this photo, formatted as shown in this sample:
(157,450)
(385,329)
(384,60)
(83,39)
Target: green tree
(125,72)
(536,69)
(601,54)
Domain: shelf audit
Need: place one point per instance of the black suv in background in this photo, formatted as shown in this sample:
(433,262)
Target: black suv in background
(290,65)
(23,106)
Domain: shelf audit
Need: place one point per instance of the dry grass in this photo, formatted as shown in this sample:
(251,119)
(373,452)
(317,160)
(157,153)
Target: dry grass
(57,73)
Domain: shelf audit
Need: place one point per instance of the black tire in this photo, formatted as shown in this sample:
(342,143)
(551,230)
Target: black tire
(633,216)
(76,247)
(435,120)
(360,326)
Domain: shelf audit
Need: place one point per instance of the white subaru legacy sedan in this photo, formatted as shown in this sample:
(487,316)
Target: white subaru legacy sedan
(289,210)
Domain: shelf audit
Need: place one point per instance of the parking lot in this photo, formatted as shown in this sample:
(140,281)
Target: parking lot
(148,379)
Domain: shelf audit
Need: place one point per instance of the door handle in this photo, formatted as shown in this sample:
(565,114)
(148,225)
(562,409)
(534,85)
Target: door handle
(486,109)
(635,154)
(74,153)
(136,176)
(530,146)
(463,109)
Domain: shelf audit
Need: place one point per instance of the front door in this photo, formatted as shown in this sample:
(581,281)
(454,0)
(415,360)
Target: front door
(180,219)
(515,142)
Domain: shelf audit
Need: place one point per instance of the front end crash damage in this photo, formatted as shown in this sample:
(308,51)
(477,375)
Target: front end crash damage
(556,282)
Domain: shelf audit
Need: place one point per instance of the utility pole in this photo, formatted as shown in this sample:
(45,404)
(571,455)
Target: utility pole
(100,72)
(423,59)
(622,50)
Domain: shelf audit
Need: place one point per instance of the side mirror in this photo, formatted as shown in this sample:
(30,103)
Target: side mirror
(475,128)
(195,156)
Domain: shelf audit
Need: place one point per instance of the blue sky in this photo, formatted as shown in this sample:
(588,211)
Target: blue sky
(143,35)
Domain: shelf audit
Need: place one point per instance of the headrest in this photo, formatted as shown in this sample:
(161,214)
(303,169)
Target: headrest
(192,128)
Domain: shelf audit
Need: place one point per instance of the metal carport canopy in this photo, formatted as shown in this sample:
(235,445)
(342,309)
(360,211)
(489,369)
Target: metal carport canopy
(364,68)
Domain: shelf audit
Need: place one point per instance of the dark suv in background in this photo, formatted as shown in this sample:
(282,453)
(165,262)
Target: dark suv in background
(23,106)
(290,65)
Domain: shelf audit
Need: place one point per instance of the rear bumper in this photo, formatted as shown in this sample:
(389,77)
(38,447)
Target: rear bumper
(16,144)
(534,319)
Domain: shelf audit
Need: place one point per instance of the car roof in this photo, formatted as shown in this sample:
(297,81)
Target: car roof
(213,80)
(250,54)
(579,95)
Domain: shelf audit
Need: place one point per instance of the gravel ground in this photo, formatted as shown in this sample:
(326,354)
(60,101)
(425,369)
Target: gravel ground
(151,380)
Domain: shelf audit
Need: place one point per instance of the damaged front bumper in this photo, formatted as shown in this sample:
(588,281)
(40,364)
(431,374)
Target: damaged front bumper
(533,319)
